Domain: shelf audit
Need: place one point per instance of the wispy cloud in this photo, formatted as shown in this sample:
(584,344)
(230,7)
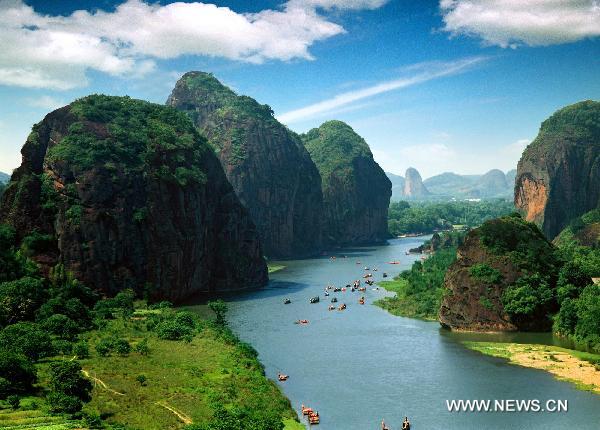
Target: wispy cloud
(421,73)
(44,102)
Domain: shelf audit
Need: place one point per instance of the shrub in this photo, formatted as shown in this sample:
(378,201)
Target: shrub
(142,347)
(528,296)
(61,325)
(486,274)
(104,346)
(81,349)
(172,330)
(141,379)
(13,401)
(121,346)
(219,307)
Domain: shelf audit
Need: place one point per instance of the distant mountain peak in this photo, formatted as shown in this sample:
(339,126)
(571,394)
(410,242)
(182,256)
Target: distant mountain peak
(413,185)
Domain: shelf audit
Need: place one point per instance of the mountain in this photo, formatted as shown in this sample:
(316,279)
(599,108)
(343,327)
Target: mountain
(397,186)
(127,194)
(502,280)
(491,184)
(356,191)
(267,164)
(448,183)
(510,178)
(413,185)
(558,176)
(4,178)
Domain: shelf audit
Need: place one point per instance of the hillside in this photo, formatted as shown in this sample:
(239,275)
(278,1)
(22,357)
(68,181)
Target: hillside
(356,192)
(267,165)
(558,178)
(4,178)
(126,194)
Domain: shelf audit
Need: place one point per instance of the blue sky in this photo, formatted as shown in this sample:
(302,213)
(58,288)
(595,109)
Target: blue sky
(450,85)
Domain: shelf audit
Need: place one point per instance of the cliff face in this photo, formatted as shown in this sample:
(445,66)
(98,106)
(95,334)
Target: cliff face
(558,176)
(132,196)
(499,256)
(269,168)
(413,184)
(356,191)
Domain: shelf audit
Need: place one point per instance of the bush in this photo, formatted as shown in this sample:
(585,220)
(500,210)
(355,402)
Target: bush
(219,307)
(588,316)
(530,295)
(68,388)
(141,379)
(13,401)
(17,373)
(142,347)
(486,274)
(172,330)
(26,338)
(104,347)
(81,349)
(121,346)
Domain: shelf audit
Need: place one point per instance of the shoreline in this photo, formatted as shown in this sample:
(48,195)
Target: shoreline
(577,367)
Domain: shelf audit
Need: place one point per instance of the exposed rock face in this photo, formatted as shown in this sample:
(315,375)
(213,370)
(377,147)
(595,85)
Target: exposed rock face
(397,186)
(134,197)
(356,191)
(413,185)
(492,259)
(558,176)
(269,168)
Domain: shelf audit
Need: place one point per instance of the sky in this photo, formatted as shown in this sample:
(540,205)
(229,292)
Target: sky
(449,85)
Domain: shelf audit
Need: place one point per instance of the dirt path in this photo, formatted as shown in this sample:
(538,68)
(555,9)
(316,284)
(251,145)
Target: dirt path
(100,382)
(183,417)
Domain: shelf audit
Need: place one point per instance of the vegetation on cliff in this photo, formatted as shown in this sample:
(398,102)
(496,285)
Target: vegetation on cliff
(405,218)
(419,290)
(131,190)
(356,191)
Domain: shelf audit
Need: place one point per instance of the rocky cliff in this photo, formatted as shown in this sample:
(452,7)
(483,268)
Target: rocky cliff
(356,191)
(397,186)
(413,184)
(127,194)
(502,280)
(269,168)
(558,176)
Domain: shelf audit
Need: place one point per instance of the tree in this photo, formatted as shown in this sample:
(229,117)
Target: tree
(121,346)
(104,346)
(572,279)
(68,388)
(14,401)
(17,373)
(26,338)
(530,295)
(219,307)
(588,314)
(61,325)
(142,347)
(19,299)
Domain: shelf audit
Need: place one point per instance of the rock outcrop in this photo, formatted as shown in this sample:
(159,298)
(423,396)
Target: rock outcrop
(131,196)
(582,231)
(558,176)
(269,168)
(413,185)
(494,258)
(356,191)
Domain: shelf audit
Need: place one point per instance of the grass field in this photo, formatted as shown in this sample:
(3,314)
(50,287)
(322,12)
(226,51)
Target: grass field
(183,382)
(403,304)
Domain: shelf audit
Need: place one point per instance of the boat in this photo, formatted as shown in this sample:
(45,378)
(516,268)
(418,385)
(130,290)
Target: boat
(314,299)
(362,289)
(334,300)
(287,301)
(281,377)
(394,262)
(313,418)
(361,301)
(306,410)
(301,322)
(337,289)
(342,307)
(384,275)
(326,294)
(331,308)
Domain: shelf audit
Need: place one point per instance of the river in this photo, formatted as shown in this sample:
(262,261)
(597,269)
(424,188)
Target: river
(361,365)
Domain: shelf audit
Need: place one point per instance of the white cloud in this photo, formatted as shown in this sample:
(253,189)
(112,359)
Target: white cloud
(45,102)
(508,23)
(56,51)
(431,71)
(514,150)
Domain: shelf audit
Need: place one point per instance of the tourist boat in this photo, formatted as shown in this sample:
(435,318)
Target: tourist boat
(384,275)
(287,301)
(314,299)
(331,308)
(342,307)
(361,301)
(334,300)
(281,377)
(306,410)
(302,322)
(313,418)
(395,261)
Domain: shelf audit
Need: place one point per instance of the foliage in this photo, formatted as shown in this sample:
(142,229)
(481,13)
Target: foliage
(61,326)
(68,388)
(20,299)
(219,307)
(135,136)
(529,296)
(419,290)
(587,329)
(241,419)
(576,122)
(26,338)
(485,273)
(17,373)
(426,217)
(121,346)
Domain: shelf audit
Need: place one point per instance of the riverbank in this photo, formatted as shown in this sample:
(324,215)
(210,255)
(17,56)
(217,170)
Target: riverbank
(580,368)
(404,304)
(275,267)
